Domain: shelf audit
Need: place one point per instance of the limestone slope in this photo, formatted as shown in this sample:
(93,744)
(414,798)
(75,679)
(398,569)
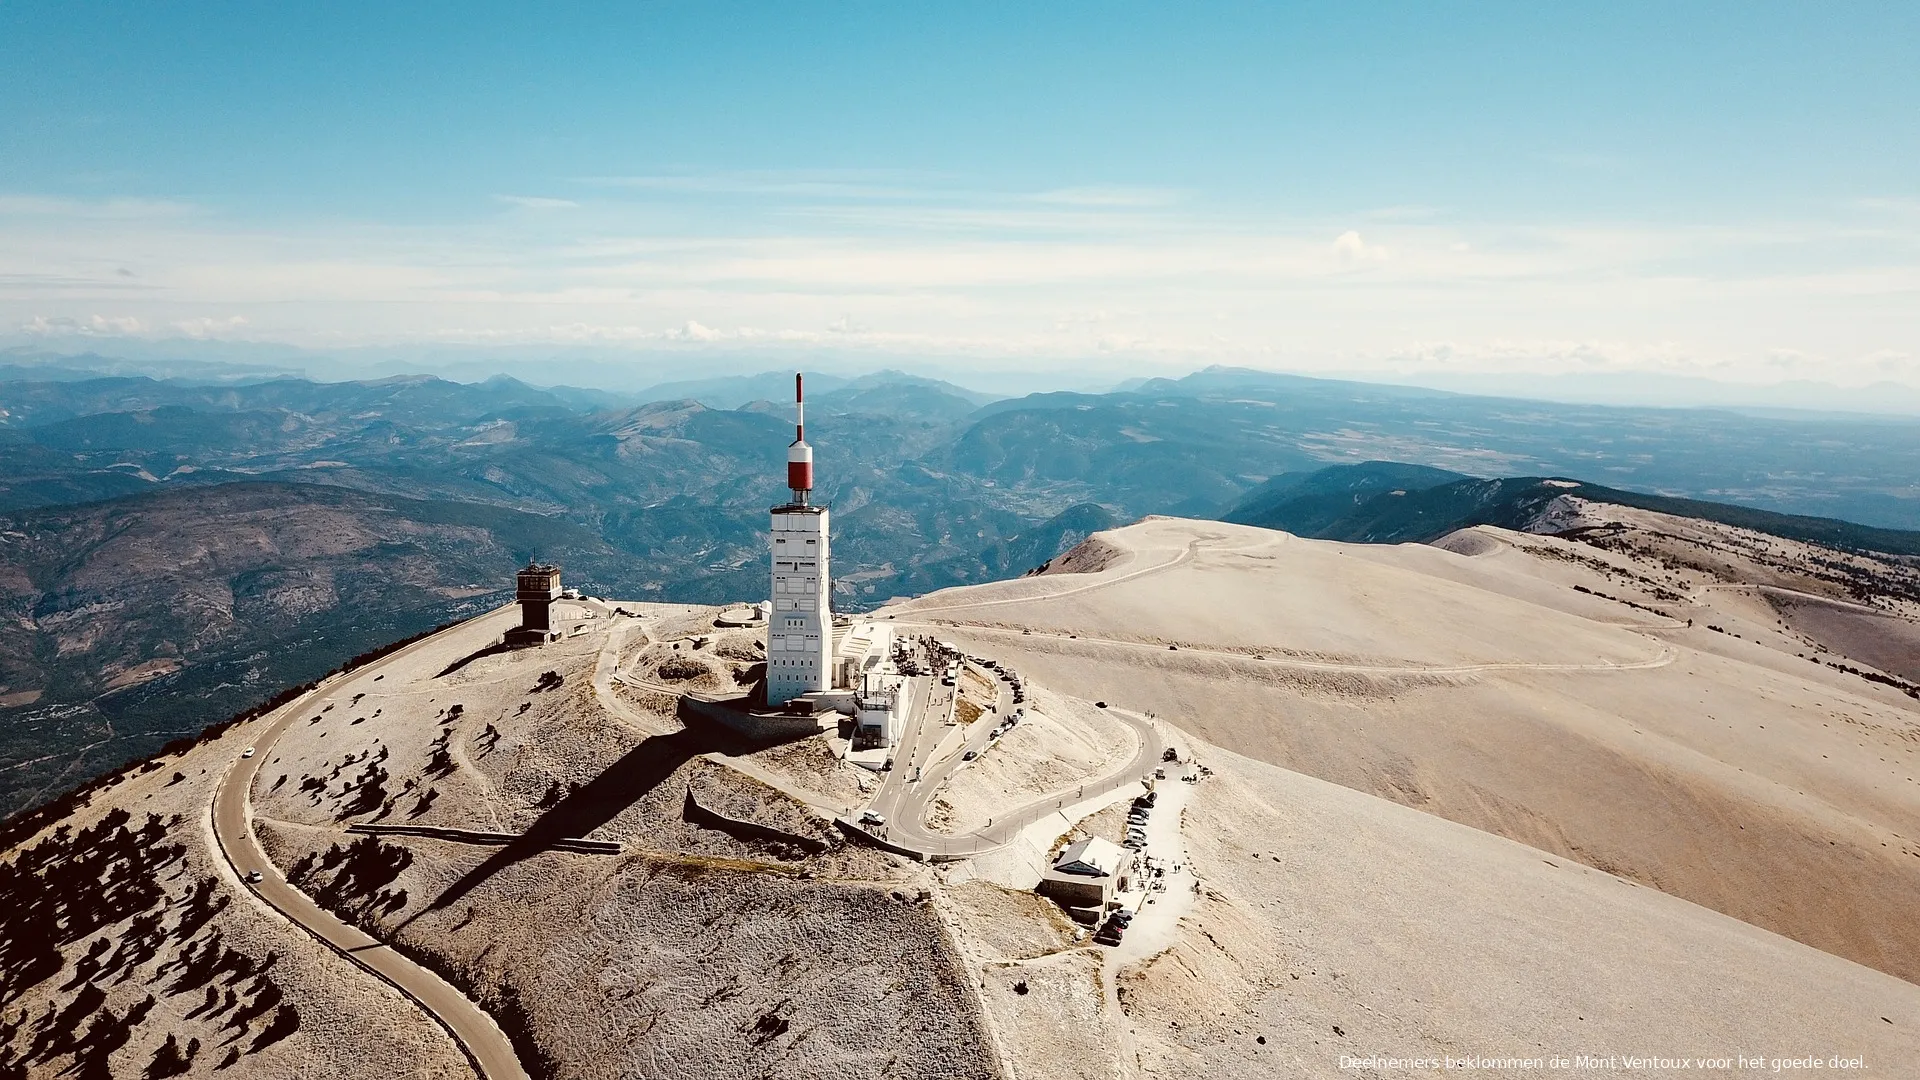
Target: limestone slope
(1333,923)
(1545,690)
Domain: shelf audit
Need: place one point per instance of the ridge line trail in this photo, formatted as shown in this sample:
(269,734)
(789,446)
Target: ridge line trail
(1697,597)
(1007,826)
(1666,656)
(457,752)
(1185,556)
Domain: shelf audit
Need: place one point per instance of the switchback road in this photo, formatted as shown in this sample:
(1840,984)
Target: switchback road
(485,1045)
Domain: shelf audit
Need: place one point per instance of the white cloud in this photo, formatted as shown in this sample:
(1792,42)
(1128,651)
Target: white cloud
(1014,275)
(1348,247)
(206,327)
(83,326)
(693,331)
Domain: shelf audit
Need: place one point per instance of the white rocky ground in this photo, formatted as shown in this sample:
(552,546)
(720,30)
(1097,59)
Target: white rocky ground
(1490,798)
(1717,766)
(347,1024)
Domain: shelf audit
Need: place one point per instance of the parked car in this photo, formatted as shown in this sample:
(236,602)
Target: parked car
(248,752)
(872,818)
(969,755)
(256,877)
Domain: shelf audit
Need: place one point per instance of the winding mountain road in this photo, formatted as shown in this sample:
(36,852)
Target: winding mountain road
(1662,658)
(485,1045)
(917,777)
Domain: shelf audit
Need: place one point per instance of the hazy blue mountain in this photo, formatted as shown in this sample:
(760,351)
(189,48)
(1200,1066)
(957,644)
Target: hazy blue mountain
(733,391)
(1308,500)
(1371,513)
(132,621)
(1040,545)
(667,498)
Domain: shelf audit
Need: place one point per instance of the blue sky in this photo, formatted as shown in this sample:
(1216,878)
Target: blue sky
(1727,189)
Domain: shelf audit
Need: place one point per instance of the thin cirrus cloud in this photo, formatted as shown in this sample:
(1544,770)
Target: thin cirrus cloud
(829,184)
(881,186)
(1108,197)
(537,202)
(115,209)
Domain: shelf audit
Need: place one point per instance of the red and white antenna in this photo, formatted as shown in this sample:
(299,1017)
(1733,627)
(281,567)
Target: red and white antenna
(799,455)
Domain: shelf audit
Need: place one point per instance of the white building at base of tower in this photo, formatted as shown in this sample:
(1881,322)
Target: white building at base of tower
(800,625)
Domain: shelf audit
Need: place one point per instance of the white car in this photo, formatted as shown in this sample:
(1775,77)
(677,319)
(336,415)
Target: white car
(872,818)
(248,752)
(256,877)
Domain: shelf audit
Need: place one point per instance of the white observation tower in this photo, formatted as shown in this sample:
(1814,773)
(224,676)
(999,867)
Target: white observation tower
(800,626)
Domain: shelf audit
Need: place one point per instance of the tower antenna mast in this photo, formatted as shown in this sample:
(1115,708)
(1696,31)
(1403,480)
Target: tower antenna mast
(799,454)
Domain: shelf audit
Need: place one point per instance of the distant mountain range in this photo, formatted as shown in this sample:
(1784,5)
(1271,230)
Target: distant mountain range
(1387,502)
(171,549)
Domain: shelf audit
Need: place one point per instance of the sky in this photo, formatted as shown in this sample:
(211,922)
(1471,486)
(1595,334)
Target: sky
(1728,191)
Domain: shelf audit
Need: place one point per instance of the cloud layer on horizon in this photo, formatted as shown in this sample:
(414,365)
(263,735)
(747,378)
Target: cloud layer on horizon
(1141,280)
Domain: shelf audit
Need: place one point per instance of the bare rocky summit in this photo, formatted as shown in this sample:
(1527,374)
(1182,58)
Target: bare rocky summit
(1494,796)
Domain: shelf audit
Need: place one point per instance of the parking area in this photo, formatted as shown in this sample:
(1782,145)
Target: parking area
(1163,887)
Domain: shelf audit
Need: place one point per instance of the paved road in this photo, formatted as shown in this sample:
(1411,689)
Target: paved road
(1139,767)
(937,602)
(904,802)
(907,832)
(976,742)
(1666,655)
(476,1033)
(928,707)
